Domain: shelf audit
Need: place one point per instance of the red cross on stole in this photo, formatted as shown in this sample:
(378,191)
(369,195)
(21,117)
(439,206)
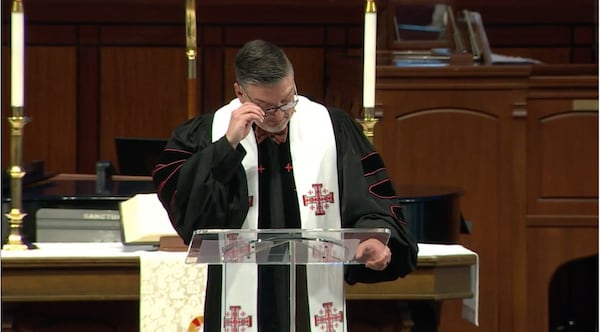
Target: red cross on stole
(319,201)
(235,319)
(330,317)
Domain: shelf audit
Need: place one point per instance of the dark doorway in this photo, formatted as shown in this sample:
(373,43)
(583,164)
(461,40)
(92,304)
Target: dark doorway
(573,297)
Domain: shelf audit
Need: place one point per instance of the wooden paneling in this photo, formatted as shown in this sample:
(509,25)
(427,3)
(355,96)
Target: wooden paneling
(552,32)
(143,93)
(521,141)
(142,35)
(568,164)
(51,103)
(517,12)
(75,316)
(215,71)
(299,34)
(127,71)
(547,249)
(562,146)
(58,294)
(88,105)
(455,137)
(548,31)
(539,35)
(562,159)
(562,185)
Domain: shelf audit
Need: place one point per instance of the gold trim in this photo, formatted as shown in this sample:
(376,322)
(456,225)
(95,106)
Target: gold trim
(191,51)
(17,6)
(191,64)
(368,123)
(190,25)
(371,7)
(585,105)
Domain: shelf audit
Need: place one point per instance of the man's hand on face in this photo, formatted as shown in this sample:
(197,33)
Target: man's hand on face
(241,122)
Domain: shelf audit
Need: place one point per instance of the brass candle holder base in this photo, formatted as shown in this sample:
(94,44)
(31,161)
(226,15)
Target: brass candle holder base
(15,239)
(368,123)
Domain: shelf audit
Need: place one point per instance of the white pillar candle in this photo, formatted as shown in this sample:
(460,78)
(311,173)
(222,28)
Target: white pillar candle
(370,47)
(17,57)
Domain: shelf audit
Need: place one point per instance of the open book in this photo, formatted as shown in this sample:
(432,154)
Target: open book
(144,220)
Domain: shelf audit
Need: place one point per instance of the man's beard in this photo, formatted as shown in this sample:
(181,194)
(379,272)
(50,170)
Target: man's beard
(276,127)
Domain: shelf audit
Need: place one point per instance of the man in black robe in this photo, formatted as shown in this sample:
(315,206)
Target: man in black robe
(242,164)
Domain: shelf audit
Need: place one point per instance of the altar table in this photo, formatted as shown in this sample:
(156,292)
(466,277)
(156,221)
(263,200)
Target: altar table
(100,273)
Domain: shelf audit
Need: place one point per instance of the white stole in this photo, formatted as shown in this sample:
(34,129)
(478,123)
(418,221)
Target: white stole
(311,139)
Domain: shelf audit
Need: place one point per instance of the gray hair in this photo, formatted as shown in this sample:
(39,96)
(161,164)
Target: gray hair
(259,62)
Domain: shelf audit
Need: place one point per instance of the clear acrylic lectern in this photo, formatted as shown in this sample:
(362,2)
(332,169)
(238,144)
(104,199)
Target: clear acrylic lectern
(280,247)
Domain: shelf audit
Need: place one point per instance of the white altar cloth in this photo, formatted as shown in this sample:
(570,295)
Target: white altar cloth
(171,293)
(78,250)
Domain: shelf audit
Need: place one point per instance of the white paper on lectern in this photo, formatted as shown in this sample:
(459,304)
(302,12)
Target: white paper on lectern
(144,220)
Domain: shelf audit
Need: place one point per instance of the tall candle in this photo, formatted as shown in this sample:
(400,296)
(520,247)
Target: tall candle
(17,53)
(369,57)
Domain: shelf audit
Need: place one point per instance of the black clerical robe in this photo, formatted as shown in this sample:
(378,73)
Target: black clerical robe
(202,186)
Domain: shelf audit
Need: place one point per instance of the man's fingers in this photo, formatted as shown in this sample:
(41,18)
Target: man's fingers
(374,254)
(241,122)
(249,109)
(378,265)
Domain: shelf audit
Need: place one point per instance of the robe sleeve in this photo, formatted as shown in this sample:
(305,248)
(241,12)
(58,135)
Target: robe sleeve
(201,184)
(368,200)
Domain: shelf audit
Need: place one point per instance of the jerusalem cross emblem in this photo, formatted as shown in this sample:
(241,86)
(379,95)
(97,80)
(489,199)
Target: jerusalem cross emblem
(330,319)
(236,320)
(318,199)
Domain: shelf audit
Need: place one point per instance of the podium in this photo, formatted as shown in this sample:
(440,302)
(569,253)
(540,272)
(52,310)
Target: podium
(293,247)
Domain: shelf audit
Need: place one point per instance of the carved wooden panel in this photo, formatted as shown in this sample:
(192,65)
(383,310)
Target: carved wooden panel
(71,316)
(455,139)
(562,158)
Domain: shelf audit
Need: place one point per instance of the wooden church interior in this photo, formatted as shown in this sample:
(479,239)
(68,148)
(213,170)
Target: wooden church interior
(500,100)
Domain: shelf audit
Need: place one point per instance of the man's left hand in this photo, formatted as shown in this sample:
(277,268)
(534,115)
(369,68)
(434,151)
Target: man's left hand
(376,255)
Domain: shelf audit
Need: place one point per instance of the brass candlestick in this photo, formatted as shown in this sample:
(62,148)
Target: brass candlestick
(191,49)
(15,216)
(17,121)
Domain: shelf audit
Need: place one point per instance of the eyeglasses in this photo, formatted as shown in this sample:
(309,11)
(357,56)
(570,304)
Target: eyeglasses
(272,109)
